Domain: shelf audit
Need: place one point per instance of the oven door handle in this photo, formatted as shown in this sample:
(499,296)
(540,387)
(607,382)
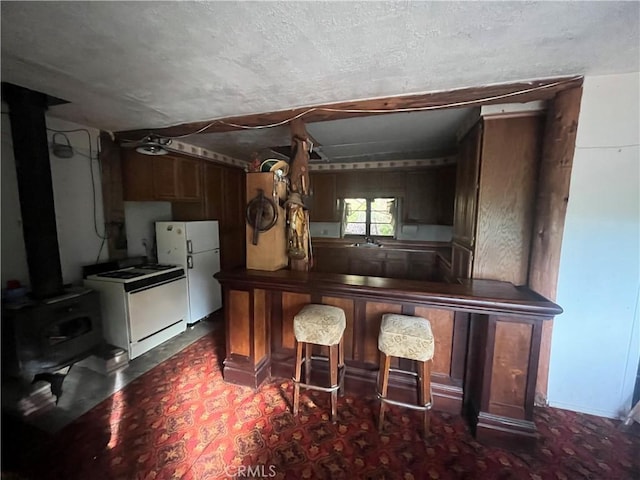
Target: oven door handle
(189,261)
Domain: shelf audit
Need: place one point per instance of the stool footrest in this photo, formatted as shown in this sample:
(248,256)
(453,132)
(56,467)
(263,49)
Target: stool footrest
(422,408)
(319,388)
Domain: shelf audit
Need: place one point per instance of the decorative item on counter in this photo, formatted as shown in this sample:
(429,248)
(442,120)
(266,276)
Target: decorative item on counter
(261,214)
(299,250)
(254,164)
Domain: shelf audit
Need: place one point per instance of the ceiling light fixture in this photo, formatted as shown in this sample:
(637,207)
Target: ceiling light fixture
(154,145)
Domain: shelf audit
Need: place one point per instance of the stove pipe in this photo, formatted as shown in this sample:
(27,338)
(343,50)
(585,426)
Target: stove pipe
(31,151)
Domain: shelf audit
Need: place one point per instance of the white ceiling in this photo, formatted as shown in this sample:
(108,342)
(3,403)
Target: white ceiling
(133,65)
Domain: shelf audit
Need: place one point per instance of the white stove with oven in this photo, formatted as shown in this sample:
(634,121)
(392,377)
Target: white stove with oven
(142,306)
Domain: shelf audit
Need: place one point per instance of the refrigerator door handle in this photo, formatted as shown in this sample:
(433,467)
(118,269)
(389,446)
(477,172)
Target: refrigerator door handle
(189,246)
(189,261)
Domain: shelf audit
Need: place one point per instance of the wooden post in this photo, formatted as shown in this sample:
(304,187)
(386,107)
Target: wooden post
(551,207)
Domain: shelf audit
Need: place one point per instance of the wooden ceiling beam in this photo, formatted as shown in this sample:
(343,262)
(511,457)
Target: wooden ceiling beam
(520,92)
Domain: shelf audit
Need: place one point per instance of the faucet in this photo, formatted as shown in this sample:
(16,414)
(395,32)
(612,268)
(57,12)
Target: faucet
(369,240)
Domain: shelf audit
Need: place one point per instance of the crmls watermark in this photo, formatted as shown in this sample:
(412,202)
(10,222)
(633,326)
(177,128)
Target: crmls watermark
(256,471)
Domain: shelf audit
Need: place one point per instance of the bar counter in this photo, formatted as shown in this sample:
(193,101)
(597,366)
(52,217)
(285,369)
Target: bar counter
(487,337)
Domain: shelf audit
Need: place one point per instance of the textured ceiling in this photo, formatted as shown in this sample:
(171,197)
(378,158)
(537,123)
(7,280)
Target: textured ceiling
(130,65)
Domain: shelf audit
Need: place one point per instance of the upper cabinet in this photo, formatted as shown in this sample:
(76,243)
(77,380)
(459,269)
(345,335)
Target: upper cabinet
(325,200)
(466,196)
(495,198)
(163,177)
(429,196)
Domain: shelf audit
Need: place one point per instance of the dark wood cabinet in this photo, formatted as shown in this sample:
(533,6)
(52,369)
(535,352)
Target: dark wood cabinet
(214,206)
(429,196)
(495,198)
(380,262)
(166,177)
(466,197)
(325,200)
(177,178)
(137,176)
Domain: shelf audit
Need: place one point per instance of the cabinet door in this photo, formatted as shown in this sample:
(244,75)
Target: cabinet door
(213,191)
(466,201)
(137,176)
(461,261)
(418,204)
(188,179)
(324,207)
(232,220)
(165,185)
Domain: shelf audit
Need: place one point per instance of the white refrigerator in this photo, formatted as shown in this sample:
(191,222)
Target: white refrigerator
(196,247)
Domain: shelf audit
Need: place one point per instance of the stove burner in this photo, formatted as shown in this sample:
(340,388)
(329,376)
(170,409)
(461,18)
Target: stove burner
(155,267)
(122,274)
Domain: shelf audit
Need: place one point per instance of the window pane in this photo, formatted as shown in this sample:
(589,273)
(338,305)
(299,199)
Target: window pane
(382,229)
(357,217)
(355,229)
(381,217)
(382,204)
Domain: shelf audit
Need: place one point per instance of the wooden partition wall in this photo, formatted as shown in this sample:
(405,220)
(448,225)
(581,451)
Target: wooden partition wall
(487,339)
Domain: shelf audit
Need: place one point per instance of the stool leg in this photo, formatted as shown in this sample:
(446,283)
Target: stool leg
(296,378)
(424,377)
(341,364)
(333,367)
(307,362)
(383,383)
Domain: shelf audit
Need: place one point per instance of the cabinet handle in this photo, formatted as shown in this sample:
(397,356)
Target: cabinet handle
(189,246)
(189,261)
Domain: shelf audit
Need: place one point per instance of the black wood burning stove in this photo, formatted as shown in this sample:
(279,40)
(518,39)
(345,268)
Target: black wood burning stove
(57,326)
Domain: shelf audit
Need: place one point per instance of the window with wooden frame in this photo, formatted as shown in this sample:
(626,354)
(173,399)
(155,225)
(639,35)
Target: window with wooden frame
(371,217)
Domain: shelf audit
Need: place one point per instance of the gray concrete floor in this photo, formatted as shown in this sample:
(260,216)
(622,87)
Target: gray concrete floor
(84,388)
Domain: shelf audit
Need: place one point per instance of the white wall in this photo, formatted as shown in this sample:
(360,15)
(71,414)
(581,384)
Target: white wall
(140,226)
(596,341)
(73,195)
(73,198)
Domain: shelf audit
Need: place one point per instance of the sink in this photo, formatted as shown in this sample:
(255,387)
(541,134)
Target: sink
(366,245)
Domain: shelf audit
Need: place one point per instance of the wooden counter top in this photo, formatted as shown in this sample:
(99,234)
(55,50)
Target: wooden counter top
(476,296)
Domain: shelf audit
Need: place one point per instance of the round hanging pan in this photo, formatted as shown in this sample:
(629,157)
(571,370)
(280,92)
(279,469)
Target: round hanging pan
(262,215)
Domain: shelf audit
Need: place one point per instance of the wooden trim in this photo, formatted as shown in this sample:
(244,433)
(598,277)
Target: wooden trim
(551,207)
(532,370)
(478,296)
(489,352)
(359,311)
(276,312)
(542,89)
(459,345)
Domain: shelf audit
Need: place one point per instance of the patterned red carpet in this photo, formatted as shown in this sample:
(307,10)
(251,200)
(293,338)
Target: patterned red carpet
(182,421)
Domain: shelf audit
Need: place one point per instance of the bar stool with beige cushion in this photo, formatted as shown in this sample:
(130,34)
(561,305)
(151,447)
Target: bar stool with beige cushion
(317,324)
(405,336)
